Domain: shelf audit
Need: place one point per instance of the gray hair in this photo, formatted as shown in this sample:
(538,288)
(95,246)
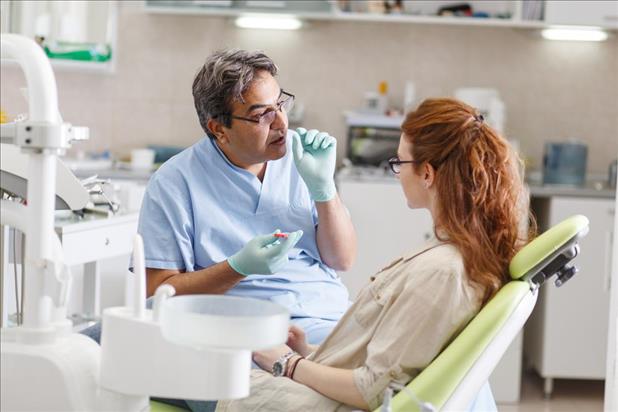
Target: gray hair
(225,76)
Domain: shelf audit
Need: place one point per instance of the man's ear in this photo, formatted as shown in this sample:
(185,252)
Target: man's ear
(218,129)
(429,174)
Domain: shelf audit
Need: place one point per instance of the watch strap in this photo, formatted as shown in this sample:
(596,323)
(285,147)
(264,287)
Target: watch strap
(282,361)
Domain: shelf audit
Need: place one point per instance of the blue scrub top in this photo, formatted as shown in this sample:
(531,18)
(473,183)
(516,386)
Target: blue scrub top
(199,209)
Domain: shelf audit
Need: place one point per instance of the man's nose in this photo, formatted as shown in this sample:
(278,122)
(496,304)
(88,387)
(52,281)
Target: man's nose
(281,120)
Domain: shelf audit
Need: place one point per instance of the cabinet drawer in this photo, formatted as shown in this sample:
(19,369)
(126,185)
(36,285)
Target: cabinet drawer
(98,243)
(568,333)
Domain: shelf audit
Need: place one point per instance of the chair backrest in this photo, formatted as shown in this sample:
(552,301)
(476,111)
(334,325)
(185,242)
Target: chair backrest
(454,377)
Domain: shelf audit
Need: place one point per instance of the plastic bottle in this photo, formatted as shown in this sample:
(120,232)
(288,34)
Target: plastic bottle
(409,96)
(382,97)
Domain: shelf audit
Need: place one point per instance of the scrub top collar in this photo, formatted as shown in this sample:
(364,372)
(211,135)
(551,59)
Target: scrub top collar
(232,165)
(268,196)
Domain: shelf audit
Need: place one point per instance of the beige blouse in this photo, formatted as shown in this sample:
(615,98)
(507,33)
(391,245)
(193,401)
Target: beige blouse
(399,323)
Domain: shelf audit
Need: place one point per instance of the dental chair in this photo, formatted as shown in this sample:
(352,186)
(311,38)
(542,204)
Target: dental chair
(453,379)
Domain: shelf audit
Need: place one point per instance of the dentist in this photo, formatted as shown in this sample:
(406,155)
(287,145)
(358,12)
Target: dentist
(210,214)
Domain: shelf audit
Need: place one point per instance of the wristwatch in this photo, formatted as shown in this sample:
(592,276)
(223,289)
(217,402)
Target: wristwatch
(281,364)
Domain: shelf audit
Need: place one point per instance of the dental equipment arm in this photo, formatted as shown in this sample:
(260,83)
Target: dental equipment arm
(57,281)
(42,136)
(70,192)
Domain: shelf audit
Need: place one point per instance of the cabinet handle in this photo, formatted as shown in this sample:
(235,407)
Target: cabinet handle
(106,241)
(609,240)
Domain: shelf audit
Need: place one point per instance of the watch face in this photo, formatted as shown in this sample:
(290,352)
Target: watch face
(277,369)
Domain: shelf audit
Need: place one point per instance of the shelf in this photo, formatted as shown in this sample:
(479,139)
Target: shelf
(348,16)
(461,21)
(364,17)
(337,15)
(22,22)
(73,65)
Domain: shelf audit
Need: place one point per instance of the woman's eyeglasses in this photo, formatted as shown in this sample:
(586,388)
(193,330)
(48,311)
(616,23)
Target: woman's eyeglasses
(285,104)
(395,163)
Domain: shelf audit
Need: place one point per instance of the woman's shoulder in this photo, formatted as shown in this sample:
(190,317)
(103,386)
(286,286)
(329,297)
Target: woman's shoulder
(436,256)
(440,263)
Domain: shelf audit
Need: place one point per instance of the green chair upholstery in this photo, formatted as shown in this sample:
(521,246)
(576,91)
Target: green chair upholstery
(547,255)
(164,407)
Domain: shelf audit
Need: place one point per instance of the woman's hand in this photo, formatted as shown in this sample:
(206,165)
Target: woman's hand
(266,358)
(298,341)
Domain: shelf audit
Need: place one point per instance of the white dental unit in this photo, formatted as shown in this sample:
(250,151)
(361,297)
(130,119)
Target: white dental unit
(187,347)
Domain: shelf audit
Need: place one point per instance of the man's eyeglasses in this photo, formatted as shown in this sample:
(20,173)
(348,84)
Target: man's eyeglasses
(395,163)
(285,104)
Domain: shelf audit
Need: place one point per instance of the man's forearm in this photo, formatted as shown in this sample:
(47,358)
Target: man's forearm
(216,279)
(336,236)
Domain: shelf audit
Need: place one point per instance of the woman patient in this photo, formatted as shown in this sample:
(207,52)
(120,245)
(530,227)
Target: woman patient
(450,162)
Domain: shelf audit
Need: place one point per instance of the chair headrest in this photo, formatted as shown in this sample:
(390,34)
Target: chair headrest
(536,254)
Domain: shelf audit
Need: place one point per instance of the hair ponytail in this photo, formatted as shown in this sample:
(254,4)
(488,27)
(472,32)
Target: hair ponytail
(482,205)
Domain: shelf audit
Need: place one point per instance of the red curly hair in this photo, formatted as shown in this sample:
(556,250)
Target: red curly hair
(482,203)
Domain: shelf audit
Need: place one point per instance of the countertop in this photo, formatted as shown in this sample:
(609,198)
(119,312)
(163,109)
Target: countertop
(115,174)
(593,189)
(598,190)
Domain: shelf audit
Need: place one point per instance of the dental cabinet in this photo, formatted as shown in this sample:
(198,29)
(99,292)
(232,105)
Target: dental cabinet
(566,335)
(93,242)
(90,243)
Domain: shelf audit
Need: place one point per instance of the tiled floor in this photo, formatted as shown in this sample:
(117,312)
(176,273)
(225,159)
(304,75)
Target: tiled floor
(568,396)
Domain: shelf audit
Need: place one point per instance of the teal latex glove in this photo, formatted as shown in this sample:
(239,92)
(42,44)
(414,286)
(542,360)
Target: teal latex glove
(315,154)
(265,254)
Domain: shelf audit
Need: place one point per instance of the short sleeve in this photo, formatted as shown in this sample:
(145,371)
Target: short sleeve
(166,225)
(314,214)
(416,325)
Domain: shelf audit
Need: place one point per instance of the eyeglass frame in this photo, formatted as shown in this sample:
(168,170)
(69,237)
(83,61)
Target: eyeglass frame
(396,161)
(278,108)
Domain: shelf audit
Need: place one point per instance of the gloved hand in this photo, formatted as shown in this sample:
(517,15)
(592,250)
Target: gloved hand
(265,254)
(315,156)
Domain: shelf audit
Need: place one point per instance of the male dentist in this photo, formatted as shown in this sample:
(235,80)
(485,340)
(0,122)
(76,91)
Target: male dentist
(210,215)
